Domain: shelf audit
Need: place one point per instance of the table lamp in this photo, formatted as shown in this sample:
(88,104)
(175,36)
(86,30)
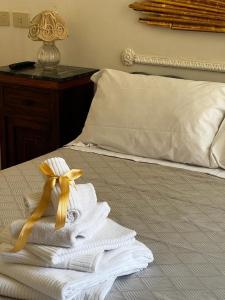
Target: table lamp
(48,27)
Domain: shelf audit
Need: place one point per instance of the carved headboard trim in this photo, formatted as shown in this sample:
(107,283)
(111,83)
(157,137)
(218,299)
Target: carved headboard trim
(129,57)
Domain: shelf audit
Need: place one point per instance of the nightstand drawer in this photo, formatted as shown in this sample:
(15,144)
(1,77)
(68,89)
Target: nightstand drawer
(41,111)
(27,101)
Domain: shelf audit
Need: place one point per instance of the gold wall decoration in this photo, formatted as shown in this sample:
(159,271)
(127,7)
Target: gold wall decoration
(197,15)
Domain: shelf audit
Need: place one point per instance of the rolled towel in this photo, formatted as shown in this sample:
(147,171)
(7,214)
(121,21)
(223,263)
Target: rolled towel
(78,204)
(65,284)
(13,289)
(85,193)
(110,236)
(44,231)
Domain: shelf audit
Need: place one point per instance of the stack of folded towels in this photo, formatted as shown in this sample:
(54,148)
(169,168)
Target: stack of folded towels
(80,260)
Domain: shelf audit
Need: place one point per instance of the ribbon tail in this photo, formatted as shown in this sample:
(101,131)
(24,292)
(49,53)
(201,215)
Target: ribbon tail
(23,236)
(74,174)
(63,203)
(36,215)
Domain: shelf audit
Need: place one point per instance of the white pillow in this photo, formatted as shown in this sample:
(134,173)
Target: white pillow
(155,117)
(218,147)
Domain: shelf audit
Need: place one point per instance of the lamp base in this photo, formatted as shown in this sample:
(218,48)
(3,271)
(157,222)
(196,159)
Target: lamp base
(48,56)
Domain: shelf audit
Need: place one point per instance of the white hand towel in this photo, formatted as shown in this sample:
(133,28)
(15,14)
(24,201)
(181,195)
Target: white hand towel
(110,236)
(82,257)
(65,284)
(79,200)
(85,193)
(13,289)
(31,201)
(80,262)
(44,231)
(97,292)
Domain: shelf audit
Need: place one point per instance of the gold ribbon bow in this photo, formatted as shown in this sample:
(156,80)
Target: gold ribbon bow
(64,183)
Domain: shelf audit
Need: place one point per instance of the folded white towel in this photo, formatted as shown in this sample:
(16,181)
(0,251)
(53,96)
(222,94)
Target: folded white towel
(85,193)
(65,284)
(31,201)
(83,257)
(80,262)
(44,231)
(79,201)
(97,292)
(13,289)
(110,236)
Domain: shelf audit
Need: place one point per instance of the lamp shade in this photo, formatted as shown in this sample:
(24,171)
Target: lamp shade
(47,26)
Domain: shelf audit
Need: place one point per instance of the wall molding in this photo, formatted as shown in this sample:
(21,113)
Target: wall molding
(129,58)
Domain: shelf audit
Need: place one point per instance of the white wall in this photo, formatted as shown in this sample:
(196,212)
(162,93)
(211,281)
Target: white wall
(100,30)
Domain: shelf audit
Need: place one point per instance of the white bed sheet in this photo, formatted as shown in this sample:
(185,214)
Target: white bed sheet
(78,145)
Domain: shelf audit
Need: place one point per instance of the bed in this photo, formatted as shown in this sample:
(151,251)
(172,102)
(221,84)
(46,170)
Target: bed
(176,203)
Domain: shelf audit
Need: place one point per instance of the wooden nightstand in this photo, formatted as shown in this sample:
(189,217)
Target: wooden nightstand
(41,111)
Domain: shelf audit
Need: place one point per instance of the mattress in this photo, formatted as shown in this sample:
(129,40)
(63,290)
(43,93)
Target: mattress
(179,214)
